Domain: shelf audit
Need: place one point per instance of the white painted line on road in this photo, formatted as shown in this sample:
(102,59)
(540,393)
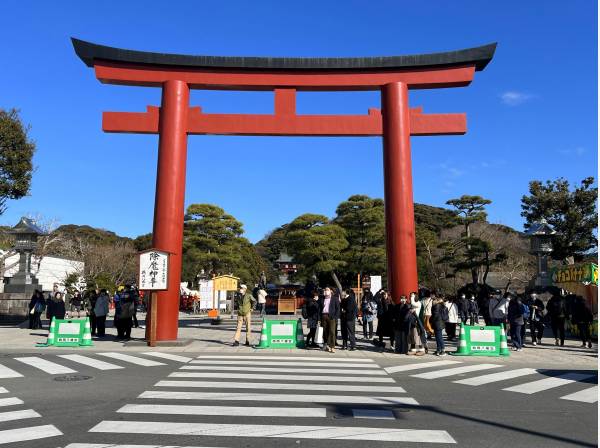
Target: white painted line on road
(245,376)
(31,433)
(5,372)
(18,415)
(259,398)
(237,411)
(281,363)
(379,414)
(419,365)
(589,395)
(274,431)
(47,366)
(168,356)
(91,362)
(493,377)
(112,445)
(12,401)
(548,383)
(280,386)
(284,370)
(289,358)
(132,359)
(3,390)
(455,371)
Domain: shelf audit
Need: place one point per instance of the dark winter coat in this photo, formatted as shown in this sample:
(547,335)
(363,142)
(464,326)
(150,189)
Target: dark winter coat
(334,306)
(385,327)
(463,308)
(348,309)
(56,309)
(557,307)
(473,308)
(400,313)
(437,321)
(582,313)
(515,312)
(310,311)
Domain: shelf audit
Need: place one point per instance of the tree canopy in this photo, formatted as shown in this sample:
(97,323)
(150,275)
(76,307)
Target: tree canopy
(571,212)
(16,153)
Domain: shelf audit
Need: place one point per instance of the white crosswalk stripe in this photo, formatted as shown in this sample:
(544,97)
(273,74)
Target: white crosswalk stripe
(18,415)
(284,370)
(12,401)
(47,366)
(168,356)
(493,377)
(260,398)
(281,386)
(283,377)
(277,431)
(132,359)
(455,371)
(589,395)
(243,411)
(29,433)
(3,390)
(5,372)
(112,445)
(419,365)
(91,362)
(282,363)
(289,358)
(549,383)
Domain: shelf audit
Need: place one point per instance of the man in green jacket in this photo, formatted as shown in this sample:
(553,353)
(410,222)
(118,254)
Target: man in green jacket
(245,304)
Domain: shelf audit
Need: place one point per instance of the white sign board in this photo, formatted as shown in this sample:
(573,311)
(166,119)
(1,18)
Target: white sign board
(154,270)
(206,294)
(375,283)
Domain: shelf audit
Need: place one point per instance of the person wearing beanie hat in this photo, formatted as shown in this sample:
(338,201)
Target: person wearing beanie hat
(245,303)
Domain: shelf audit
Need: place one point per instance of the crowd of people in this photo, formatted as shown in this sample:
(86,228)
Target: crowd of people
(94,304)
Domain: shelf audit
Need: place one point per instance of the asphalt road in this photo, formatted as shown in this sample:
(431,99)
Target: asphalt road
(273,400)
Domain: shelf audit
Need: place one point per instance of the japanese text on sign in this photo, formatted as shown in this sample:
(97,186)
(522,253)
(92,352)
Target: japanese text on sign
(154,269)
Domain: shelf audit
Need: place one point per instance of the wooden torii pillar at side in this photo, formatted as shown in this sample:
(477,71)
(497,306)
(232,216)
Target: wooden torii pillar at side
(175,120)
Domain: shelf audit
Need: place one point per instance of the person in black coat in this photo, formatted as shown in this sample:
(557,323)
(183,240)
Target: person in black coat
(583,317)
(536,318)
(438,322)
(557,312)
(57,307)
(37,304)
(310,312)
(462,304)
(516,319)
(348,314)
(473,311)
(329,310)
(400,325)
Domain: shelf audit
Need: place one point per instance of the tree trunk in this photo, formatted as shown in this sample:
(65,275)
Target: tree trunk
(337,282)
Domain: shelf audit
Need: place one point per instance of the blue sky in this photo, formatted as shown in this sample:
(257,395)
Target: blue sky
(532,114)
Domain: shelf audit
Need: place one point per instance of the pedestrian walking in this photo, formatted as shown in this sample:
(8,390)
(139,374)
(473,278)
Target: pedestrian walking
(516,317)
(126,312)
(439,316)
(310,312)
(101,311)
(329,307)
(498,308)
(89,302)
(473,311)
(400,325)
(262,300)
(557,312)
(245,303)
(348,313)
(57,305)
(368,309)
(427,304)
(75,305)
(37,305)
(135,299)
(417,342)
(385,327)
(453,318)
(583,318)
(463,308)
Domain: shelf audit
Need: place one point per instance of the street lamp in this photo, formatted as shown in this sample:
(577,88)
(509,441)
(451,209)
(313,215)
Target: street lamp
(540,234)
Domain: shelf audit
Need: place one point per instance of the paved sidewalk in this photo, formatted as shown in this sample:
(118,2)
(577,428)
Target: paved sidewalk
(218,338)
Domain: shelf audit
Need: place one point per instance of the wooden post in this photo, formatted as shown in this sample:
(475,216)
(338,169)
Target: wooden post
(153,307)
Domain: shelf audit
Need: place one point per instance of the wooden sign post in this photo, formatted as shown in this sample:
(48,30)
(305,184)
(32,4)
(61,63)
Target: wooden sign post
(153,276)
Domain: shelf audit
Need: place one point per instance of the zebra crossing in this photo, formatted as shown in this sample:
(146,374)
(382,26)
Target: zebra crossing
(21,366)
(22,429)
(434,370)
(203,399)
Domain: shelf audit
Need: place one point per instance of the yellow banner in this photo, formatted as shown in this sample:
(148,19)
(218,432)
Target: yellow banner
(226,283)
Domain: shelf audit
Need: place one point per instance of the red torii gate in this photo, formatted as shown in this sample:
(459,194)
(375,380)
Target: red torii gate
(175,119)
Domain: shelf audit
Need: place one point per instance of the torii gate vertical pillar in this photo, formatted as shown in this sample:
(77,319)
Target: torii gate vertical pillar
(170,196)
(399,208)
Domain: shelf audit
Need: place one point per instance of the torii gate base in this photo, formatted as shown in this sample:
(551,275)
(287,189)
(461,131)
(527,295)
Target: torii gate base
(175,119)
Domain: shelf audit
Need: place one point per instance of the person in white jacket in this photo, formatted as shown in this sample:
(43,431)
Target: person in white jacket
(498,307)
(452,318)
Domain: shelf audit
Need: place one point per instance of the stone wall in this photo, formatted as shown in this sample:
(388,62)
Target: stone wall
(14,306)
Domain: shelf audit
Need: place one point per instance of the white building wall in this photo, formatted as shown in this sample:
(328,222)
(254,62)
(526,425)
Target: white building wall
(51,269)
